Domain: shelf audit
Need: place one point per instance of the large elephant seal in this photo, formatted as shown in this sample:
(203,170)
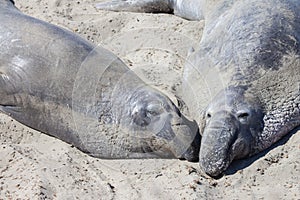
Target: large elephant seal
(242,82)
(58,83)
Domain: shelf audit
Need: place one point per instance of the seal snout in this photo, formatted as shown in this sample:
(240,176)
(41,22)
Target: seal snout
(187,139)
(219,135)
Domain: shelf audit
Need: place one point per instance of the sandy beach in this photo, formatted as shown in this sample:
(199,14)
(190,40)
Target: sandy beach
(36,166)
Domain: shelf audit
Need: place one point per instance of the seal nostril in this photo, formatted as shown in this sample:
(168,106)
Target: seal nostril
(243,117)
(208,115)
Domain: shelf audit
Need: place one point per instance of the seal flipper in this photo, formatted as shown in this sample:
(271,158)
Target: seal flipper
(10,109)
(147,6)
(190,10)
(7,100)
(6,2)
(7,89)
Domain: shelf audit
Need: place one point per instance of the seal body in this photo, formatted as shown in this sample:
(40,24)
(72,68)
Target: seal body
(242,82)
(249,58)
(58,83)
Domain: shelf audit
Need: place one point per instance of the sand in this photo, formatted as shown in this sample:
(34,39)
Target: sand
(36,166)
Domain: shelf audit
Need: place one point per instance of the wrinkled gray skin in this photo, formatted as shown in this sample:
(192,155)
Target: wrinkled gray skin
(242,82)
(58,83)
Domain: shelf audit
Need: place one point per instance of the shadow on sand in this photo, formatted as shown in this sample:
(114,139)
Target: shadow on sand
(244,163)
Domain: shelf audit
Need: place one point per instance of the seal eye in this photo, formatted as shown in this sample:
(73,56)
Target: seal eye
(140,118)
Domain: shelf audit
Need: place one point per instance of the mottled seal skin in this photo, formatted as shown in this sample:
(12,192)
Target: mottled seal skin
(242,82)
(58,83)
(253,48)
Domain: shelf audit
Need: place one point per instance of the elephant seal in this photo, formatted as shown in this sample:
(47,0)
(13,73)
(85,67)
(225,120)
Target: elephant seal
(242,82)
(58,83)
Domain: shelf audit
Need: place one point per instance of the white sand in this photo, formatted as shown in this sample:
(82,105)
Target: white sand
(35,166)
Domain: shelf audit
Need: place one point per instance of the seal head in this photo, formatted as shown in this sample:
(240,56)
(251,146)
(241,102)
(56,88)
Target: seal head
(230,126)
(159,126)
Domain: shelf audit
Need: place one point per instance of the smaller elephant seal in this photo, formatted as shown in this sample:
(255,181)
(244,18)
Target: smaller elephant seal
(242,82)
(58,83)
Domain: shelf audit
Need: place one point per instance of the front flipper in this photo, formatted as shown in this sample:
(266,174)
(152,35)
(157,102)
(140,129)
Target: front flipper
(11,110)
(146,6)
